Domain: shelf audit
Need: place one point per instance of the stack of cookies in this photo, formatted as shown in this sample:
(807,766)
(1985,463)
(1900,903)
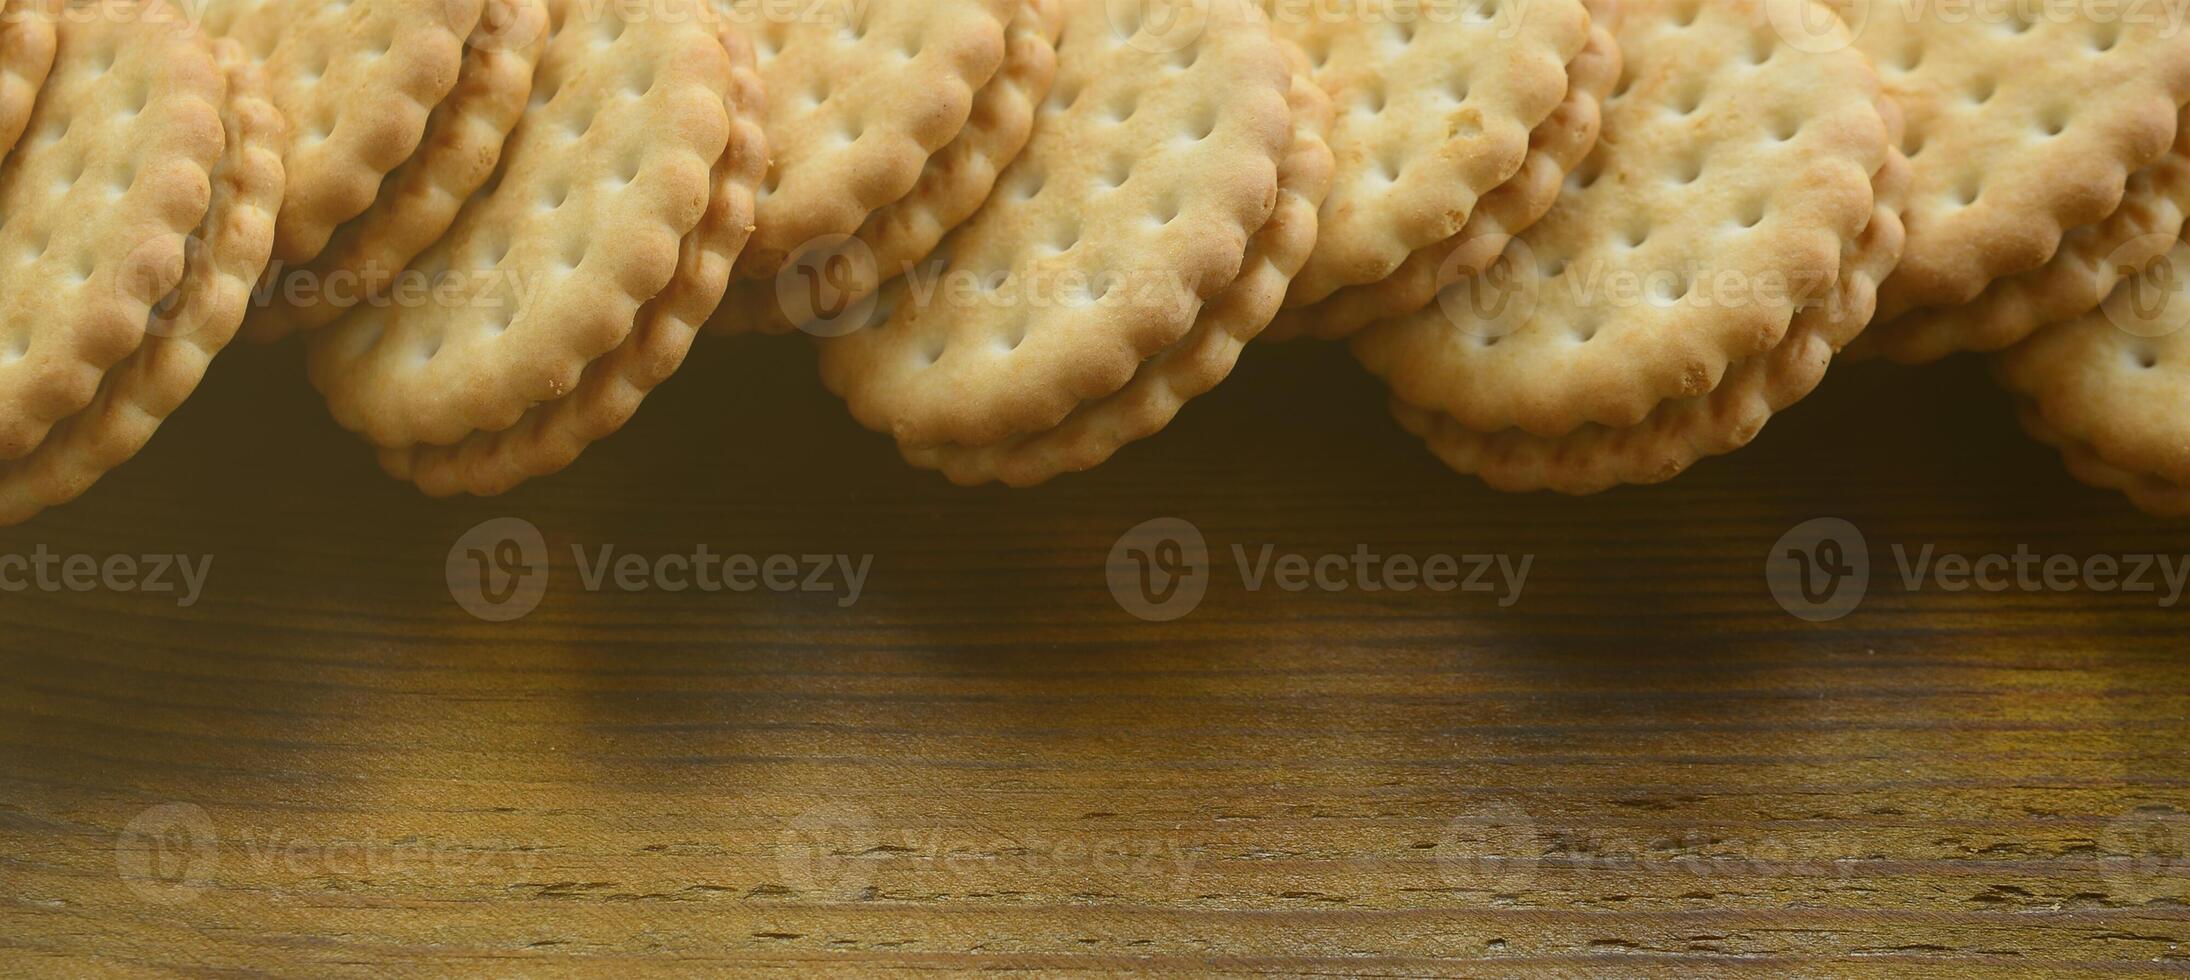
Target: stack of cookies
(1163,204)
(886,134)
(137,207)
(1726,235)
(571,283)
(1587,243)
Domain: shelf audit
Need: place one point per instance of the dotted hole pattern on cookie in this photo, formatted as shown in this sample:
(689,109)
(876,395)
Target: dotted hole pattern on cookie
(1067,205)
(567,123)
(1436,103)
(860,94)
(1732,171)
(1991,97)
(1740,184)
(127,132)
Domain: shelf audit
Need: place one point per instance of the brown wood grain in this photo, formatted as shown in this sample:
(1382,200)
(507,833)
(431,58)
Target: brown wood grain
(1643,767)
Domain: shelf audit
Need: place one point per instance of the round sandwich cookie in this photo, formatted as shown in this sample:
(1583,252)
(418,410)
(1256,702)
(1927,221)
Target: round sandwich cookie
(1437,103)
(860,97)
(26,54)
(1733,186)
(2111,389)
(221,261)
(1201,360)
(1557,146)
(2024,120)
(458,152)
(1681,432)
(356,81)
(97,203)
(2092,261)
(552,435)
(1151,165)
(545,270)
(826,282)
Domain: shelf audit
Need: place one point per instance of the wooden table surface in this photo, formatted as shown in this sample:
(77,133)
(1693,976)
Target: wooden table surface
(1644,765)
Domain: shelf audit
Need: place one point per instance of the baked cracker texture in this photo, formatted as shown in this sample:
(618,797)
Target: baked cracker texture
(356,81)
(1436,104)
(191,326)
(26,55)
(461,146)
(2025,120)
(1558,145)
(552,435)
(822,285)
(1201,360)
(545,270)
(1734,179)
(860,97)
(1680,433)
(2091,262)
(97,202)
(1150,166)
(2111,389)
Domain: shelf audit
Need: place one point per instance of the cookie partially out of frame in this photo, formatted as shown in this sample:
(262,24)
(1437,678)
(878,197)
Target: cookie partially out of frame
(192,324)
(545,270)
(552,435)
(1556,147)
(2092,261)
(1733,175)
(1150,166)
(822,285)
(356,81)
(1436,103)
(860,97)
(459,151)
(26,54)
(2111,389)
(2024,121)
(97,203)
